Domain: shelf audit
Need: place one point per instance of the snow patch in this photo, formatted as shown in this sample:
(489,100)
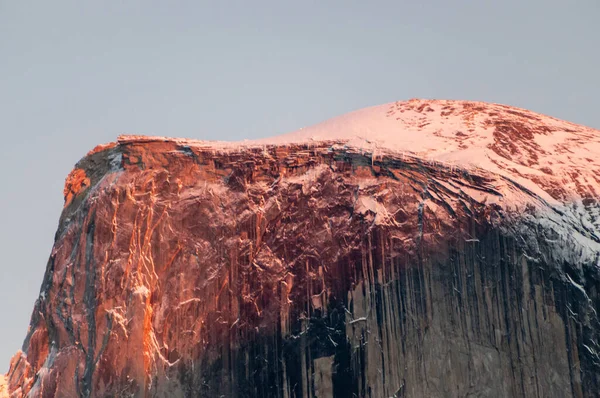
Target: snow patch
(141,290)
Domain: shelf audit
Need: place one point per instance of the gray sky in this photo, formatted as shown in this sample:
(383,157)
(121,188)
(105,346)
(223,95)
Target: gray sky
(74,74)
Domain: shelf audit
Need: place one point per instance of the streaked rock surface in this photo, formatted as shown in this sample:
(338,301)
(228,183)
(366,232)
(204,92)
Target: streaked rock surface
(343,260)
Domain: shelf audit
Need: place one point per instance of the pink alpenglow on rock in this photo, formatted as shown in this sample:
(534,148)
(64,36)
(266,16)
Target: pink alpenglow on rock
(419,248)
(3,387)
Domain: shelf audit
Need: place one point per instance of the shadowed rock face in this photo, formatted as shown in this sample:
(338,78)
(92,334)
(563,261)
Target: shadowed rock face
(308,271)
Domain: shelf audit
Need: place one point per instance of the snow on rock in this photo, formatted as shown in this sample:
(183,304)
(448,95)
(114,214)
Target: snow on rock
(553,158)
(549,163)
(419,248)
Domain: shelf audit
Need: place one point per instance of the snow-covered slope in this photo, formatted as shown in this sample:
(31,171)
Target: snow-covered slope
(556,159)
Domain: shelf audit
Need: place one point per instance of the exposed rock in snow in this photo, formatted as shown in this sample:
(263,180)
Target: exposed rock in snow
(421,248)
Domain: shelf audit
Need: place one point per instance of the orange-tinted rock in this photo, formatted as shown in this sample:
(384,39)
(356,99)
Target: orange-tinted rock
(3,387)
(306,270)
(76,182)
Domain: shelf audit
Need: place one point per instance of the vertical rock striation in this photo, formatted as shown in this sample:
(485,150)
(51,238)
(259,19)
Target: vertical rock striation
(336,267)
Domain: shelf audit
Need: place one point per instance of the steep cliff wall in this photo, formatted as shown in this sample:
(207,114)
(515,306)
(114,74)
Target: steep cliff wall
(314,269)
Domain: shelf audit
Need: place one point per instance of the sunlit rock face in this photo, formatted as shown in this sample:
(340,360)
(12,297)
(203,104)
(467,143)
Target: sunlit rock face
(416,249)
